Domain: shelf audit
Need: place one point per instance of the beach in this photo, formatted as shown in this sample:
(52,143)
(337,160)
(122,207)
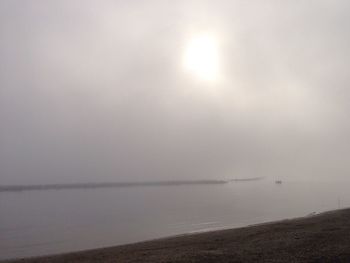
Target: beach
(316,238)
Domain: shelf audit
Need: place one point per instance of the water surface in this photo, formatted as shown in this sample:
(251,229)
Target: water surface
(47,222)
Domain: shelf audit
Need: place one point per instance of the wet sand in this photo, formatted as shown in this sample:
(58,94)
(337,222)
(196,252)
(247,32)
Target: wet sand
(318,238)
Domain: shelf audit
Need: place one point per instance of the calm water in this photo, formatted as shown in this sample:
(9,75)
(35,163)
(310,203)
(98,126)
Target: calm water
(47,222)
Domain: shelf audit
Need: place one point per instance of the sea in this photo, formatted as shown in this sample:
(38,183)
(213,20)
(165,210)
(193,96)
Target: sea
(45,222)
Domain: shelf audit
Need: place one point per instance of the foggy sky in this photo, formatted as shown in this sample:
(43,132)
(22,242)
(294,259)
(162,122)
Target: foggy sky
(95,91)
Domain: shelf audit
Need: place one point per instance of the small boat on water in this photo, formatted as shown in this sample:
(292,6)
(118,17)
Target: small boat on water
(278,182)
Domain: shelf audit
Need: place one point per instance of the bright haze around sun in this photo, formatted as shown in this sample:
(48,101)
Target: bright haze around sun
(201,57)
(95,91)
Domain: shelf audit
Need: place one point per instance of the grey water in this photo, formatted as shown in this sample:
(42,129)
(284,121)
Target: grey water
(34,223)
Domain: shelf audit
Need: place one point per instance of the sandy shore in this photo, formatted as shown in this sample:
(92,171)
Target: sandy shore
(320,238)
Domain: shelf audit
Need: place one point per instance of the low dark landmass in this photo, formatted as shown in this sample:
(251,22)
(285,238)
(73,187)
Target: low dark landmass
(317,238)
(16,188)
(37,187)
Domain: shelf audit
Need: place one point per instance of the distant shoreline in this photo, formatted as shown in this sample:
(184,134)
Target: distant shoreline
(322,237)
(18,188)
(41,187)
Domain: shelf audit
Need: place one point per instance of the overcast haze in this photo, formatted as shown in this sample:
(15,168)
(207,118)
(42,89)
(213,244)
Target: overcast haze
(95,91)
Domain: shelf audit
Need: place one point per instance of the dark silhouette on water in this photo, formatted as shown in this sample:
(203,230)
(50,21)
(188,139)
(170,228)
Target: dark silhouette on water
(36,187)
(278,181)
(13,188)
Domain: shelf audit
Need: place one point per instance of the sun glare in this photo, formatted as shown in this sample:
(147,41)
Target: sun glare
(202,57)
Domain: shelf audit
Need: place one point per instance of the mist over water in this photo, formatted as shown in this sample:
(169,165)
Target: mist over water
(48,222)
(168,91)
(98,92)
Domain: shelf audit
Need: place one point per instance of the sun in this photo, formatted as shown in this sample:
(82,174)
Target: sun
(201,57)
